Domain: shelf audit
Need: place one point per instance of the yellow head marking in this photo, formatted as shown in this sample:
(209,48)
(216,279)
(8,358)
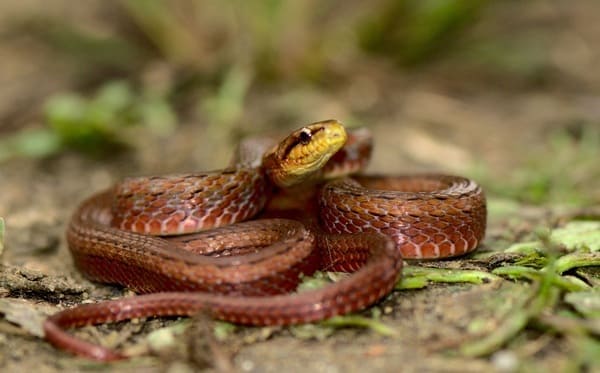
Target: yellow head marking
(304,152)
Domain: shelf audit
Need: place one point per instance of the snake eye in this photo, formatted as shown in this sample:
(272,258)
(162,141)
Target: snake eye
(305,136)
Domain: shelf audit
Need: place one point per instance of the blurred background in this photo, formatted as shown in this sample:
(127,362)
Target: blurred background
(506,92)
(503,91)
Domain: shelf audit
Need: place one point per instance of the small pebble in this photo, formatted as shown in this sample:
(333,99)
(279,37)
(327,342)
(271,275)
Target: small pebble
(505,361)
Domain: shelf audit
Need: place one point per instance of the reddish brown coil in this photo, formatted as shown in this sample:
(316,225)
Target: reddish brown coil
(366,225)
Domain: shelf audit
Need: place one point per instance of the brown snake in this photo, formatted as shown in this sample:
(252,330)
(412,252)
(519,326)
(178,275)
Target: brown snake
(244,272)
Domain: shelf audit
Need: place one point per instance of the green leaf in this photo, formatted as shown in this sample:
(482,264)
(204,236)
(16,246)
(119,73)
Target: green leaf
(317,281)
(361,322)
(415,277)
(578,235)
(576,260)
(163,338)
(223,329)
(567,283)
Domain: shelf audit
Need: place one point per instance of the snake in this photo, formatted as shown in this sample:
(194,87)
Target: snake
(231,244)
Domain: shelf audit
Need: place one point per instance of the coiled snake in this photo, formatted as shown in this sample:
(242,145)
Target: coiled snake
(244,272)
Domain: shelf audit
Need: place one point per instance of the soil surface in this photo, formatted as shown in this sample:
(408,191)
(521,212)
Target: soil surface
(447,117)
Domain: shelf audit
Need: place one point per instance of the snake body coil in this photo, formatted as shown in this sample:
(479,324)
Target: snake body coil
(243,272)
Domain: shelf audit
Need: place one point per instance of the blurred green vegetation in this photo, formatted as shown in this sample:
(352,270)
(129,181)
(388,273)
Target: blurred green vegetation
(213,53)
(547,265)
(556,174)
(95,125)
(411,31)
(166,61)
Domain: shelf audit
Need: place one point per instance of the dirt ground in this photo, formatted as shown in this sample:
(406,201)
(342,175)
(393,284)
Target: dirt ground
(442,117)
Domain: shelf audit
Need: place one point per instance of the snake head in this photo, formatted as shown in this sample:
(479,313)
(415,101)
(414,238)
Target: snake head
(304,152)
